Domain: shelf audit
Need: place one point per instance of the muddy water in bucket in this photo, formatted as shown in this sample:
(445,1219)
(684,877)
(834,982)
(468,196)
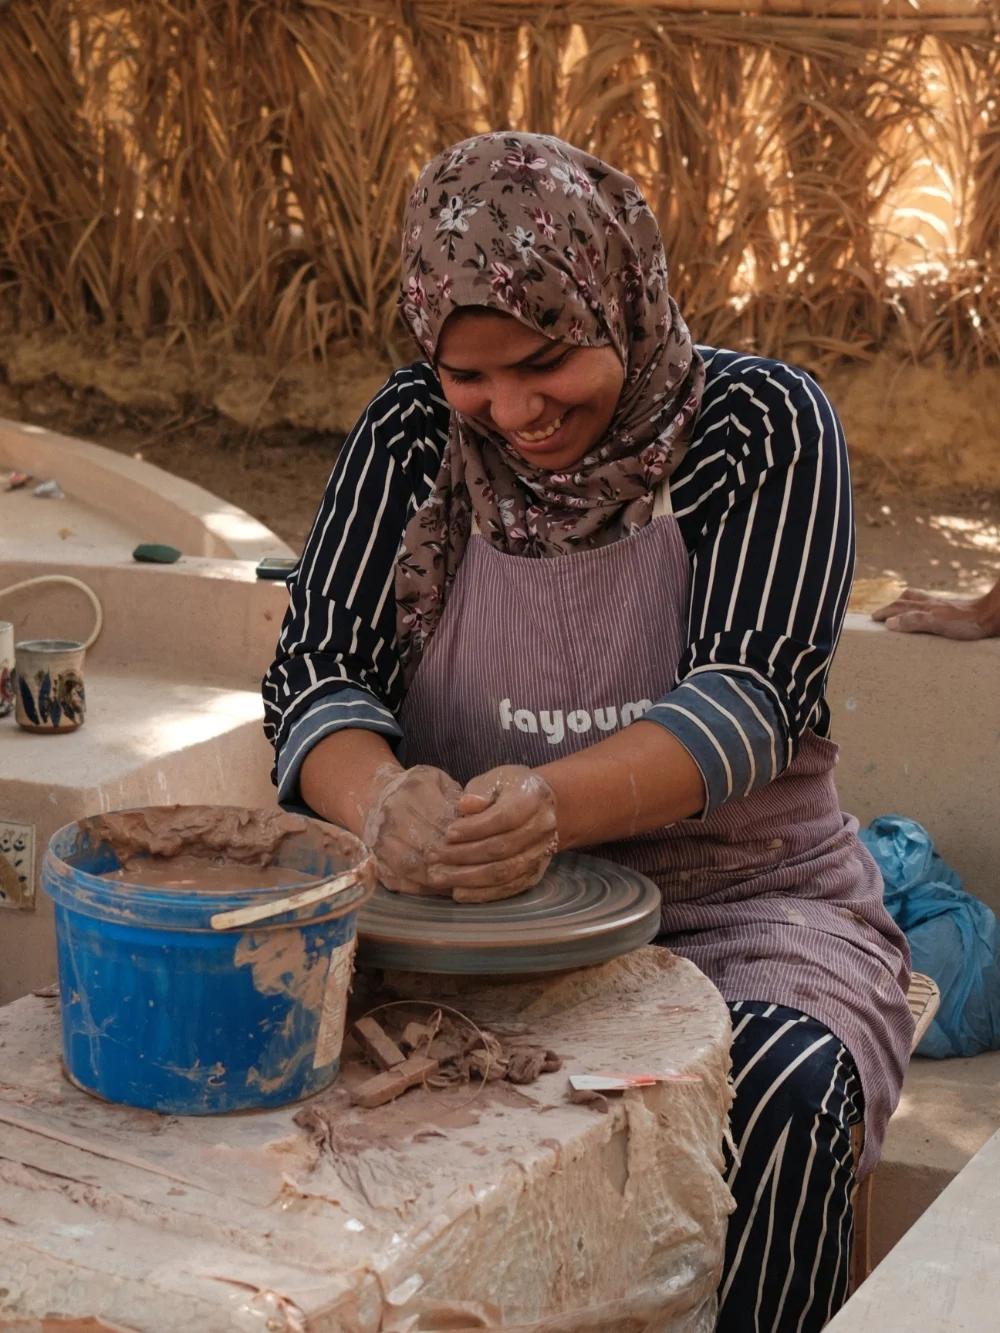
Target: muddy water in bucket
(205,954)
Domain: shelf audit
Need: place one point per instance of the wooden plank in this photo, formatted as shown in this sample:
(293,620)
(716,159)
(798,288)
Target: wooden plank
(385,1087)
(377,1044)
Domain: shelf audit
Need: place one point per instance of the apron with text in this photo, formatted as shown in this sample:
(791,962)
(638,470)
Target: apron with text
(773,895)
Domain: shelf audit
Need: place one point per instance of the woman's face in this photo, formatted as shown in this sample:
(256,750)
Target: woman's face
(551,401)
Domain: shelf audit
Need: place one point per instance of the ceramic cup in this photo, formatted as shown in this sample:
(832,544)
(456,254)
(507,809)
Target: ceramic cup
(48,690)
(6,668)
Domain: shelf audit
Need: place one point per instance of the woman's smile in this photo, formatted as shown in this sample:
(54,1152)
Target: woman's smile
(551,401)
(537,436)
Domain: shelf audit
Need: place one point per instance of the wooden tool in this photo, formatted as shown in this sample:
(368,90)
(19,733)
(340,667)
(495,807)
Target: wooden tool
(394,1082)
(377,1044)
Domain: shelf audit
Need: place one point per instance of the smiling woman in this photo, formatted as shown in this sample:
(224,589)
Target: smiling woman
(577,582)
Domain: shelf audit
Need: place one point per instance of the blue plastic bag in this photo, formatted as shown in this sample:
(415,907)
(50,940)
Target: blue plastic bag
(953,936)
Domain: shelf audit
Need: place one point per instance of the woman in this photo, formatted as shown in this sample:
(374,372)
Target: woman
(585,580)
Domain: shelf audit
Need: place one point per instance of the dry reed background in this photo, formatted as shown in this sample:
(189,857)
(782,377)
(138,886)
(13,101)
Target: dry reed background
(226,177)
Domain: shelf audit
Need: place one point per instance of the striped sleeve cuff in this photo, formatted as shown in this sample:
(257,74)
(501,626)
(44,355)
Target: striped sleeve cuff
(732,730)
(347,708)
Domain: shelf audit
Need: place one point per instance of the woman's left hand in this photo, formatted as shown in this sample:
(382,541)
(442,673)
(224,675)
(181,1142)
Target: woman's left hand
(503,840)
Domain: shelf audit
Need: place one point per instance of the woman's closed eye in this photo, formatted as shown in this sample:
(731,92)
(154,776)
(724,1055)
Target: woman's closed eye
(536,368)
(540,367)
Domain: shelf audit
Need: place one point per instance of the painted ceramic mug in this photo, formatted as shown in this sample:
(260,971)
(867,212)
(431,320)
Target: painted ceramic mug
(48,693)
(6,667)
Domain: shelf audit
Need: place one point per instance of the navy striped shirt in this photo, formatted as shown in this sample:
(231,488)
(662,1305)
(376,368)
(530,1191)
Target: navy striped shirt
(763,501)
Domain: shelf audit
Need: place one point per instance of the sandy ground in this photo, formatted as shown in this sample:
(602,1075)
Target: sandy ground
(910,529)
(949,541)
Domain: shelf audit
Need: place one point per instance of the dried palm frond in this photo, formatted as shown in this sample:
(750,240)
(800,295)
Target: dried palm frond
(230,176)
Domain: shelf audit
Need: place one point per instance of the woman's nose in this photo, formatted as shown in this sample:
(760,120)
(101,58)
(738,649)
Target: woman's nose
(515,408)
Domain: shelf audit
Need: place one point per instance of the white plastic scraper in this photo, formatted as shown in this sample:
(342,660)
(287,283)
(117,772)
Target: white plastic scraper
(619,1082)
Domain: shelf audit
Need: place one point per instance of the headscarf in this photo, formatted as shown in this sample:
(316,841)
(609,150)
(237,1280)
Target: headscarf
(530,226)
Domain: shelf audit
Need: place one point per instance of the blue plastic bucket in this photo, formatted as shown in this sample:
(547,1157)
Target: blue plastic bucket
(161,1010)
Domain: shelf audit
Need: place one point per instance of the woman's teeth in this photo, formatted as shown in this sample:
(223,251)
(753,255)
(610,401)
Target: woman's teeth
(533,436)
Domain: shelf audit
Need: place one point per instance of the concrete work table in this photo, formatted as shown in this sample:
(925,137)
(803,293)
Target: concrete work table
(470,1207)
(943,1276)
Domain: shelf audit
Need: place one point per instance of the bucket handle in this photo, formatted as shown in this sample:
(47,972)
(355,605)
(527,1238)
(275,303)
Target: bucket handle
(248,916)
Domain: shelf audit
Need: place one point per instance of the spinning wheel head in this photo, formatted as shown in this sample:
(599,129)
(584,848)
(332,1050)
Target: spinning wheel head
(584,911)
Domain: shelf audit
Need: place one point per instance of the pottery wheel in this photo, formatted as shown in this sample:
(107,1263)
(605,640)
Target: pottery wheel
(584,911)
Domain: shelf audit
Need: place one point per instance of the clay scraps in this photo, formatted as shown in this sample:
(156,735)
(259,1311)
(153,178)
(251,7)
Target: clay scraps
(441,1052)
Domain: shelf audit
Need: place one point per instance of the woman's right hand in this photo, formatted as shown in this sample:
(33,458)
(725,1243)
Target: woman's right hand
(409,819)
(504,840)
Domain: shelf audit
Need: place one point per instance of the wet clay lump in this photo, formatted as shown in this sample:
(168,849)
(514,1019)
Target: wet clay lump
(241,837)
(212,849)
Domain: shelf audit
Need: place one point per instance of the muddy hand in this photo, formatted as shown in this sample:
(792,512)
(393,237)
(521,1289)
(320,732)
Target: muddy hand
(503,840)
(916,612)
(408,822)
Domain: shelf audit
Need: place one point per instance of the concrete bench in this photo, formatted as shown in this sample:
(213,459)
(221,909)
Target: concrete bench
(943,1276)
(174,712)
(949,1109)
(114,500)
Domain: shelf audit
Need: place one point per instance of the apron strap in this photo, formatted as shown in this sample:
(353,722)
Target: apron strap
(662,506)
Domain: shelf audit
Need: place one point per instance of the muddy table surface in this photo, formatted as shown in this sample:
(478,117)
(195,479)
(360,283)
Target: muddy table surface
(467,1207)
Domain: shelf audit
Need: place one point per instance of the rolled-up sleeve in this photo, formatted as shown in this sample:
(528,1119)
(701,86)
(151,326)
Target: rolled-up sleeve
(349,707)
(765,504)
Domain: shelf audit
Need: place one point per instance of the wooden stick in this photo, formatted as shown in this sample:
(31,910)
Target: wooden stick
(392,1084)
(377,1044)
(247,916)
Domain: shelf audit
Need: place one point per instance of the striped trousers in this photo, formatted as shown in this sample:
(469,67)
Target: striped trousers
(788,1245)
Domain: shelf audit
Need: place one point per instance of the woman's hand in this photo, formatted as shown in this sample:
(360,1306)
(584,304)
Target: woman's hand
(917,612)
(503,840)
(407,824)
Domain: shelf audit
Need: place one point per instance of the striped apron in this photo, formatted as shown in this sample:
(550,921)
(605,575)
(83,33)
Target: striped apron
(772,895)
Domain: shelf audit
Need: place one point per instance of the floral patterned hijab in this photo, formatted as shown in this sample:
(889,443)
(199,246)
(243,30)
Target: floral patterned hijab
(532,227)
